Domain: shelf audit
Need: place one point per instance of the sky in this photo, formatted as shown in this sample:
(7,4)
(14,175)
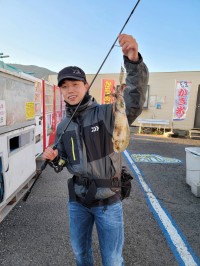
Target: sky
(58,33)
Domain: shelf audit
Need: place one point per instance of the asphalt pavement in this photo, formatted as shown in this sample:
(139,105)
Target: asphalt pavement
(36,232)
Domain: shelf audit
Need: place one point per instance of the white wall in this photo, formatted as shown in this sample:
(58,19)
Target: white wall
(162,86)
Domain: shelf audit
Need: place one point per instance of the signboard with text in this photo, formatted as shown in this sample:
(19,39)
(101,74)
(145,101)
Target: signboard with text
(181,102)
(107,90)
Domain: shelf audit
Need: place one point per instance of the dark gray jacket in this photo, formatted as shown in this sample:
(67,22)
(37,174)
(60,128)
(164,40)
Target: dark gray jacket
(87,143)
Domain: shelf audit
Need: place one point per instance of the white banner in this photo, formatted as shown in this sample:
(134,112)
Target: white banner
(181,99)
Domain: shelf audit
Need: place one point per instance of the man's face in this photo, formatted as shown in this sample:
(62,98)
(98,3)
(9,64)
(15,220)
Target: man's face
(73,91)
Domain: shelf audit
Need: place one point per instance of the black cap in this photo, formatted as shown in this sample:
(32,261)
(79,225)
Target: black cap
(71,72)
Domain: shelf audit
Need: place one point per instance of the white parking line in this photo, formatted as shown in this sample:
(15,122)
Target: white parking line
(181,249)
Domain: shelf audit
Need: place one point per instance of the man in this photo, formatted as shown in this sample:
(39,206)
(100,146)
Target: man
(86,148)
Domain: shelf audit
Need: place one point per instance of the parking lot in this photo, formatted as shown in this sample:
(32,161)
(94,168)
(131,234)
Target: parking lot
(161,216)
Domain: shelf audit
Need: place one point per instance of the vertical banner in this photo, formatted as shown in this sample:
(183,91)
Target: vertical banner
(107,89)
(182,93)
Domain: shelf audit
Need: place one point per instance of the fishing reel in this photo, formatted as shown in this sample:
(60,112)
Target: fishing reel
(57,164)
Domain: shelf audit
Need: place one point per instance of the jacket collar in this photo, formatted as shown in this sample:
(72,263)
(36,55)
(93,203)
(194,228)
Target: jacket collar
(86,104)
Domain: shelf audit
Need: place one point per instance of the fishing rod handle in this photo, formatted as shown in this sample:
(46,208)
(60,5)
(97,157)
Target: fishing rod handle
(43,166)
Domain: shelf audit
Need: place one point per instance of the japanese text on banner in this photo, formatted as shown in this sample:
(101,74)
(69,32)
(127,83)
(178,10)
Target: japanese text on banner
(107,90)
(181,99)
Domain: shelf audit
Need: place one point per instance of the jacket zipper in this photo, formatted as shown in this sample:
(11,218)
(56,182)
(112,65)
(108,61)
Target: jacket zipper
(73,153)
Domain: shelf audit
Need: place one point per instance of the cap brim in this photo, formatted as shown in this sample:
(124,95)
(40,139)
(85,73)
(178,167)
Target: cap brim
(69,77)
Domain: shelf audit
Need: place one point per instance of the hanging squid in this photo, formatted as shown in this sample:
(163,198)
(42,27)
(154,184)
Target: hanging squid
(121,131)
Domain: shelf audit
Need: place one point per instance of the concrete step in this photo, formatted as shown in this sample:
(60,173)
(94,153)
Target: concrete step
(194,133)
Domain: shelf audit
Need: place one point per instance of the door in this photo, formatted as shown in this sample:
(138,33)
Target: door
(197,112)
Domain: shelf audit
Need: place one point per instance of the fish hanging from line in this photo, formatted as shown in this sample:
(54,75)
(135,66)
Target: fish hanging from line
(121,131)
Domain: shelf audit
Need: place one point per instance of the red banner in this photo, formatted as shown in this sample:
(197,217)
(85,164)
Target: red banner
(107,89)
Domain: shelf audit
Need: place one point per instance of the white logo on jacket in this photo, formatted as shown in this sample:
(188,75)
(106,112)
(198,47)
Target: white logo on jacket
(94,129)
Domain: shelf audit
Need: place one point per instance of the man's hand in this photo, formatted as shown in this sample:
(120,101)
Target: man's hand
(129,47)
(49,154)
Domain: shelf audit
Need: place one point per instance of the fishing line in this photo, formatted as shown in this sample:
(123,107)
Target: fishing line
(55,146)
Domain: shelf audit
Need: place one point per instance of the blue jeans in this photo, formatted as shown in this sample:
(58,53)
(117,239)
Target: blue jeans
(110,229)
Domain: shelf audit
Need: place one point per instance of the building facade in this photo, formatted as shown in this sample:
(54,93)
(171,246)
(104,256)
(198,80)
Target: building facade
(161,96)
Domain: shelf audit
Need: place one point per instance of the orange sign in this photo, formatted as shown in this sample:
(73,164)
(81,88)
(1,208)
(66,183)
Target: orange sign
(107,89)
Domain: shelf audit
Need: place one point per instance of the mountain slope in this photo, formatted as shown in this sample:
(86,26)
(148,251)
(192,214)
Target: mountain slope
(36,71)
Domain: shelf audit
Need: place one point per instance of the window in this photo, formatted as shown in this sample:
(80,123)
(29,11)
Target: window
(145,106)
(19,141)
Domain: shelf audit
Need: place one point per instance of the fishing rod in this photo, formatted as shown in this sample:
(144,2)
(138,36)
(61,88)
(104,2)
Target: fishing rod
(43,166)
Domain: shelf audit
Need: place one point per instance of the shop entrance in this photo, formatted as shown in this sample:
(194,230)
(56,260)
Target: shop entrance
(197,112)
